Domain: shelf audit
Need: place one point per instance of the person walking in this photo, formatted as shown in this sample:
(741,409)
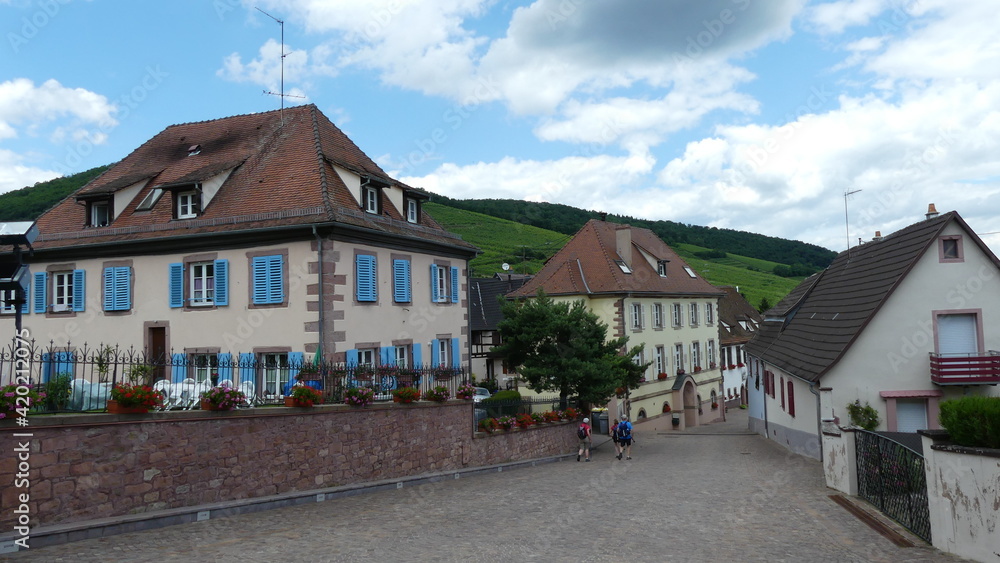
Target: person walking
(614,438)
(584,433)
(625,438)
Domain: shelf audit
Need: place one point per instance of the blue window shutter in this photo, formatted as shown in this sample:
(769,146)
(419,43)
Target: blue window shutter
(401,281)
(41,285)
(79,290)
(247,364)
(226,367)
(454,284)
(176,277)
(268,278)
(416,355)
(387,353)
(260,280)
(109,289)
(221,271)
(123,288)
(27,297)
(366,278)
(352,357)
(178,371)
(46,367)
(456,353)
(435,360)
(275,277)
(295,361)
(434,283)
(65,363)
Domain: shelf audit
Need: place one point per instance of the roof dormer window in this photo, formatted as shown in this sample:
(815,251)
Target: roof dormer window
(661,268)
(690,272)
(371,197)
(623,266)
(99,213)
(412,211)
(194,149)
(188,204)
(150,200)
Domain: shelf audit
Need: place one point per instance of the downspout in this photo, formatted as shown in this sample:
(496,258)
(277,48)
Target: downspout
(819,419)
(322,307)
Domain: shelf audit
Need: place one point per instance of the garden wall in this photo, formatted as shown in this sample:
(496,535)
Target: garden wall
(85,467)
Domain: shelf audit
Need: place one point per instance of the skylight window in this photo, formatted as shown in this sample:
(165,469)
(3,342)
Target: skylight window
(623,266)
(690,272)
(150,200)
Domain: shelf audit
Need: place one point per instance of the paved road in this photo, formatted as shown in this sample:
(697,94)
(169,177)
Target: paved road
(716,494)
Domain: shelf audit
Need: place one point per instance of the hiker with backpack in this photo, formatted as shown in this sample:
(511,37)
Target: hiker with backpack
(614,437)
(625,438)
(583,433)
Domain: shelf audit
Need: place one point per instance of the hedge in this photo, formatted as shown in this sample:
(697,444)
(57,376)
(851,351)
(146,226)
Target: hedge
(972,421)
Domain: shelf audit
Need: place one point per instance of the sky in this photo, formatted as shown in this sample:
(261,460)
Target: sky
(819,121)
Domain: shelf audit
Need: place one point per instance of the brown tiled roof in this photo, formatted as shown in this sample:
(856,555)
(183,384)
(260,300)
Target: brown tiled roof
(484,307)
(810,330)
(586,265)
(733,309)
(282,174)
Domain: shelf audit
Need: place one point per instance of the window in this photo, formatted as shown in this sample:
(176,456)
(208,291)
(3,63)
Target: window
(791,399)
(690,272)
(439,284)
(207,283)
(639,359)
(637,316)
(187,204)
(950,249)
(623,266)
(657,315)
(660,366)
(401,281)
(677,314)
(367,278)
(696,354)
(709,314)
(7,306)
(275,372)
(100,214)
(268,279)
(67,292)
(412,211)
(117,288)
(661,268)
(710,353)
(679,358)
(694,314)
(402,356)
(371,200)
(442,352)
(62,291)
(206,368)
(150,200)
(781,385)
(366,356)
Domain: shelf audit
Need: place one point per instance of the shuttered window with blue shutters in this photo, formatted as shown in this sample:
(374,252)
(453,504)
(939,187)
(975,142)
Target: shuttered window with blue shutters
(117,288)
(176,279)
(268,280)
(367,277)
(221,282)
(41,287)
(401,281)
(454,284)
(79,290)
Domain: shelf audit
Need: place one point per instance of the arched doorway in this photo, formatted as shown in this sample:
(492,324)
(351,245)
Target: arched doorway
(690,404)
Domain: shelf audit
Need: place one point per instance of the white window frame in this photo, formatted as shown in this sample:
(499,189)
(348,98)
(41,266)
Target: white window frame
(402,356)
(371,200)
(204,365)
(275,372)
(186,204)
(412,211)
(442,283)
(206,296)
(679,357)
(660,365)
(661,268)
(95,209)
(696,355)
(709,314)
(636,316)
(367,356)
(444,352)
(710,352)
(657,315)
(62,291)
(678,318)
(694,314)
(7,295)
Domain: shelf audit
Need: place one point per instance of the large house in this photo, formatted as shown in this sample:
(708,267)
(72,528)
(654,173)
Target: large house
(484,318)
(898,323)
(254,240)
(738,322)
(640,288)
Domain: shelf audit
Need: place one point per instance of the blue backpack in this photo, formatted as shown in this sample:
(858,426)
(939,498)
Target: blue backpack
(624,430)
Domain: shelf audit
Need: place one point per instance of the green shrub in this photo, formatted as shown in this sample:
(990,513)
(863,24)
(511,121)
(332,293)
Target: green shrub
(502,403)
(972,421)
(863,416)
(57,392)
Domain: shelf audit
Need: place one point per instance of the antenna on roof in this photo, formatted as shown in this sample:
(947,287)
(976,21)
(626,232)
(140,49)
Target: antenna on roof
(280,94)
(847,220)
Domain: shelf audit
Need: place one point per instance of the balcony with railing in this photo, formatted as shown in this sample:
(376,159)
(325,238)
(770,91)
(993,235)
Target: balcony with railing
(966,369)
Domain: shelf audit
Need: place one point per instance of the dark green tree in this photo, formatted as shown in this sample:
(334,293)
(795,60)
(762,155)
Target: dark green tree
(558,346)
(764,305)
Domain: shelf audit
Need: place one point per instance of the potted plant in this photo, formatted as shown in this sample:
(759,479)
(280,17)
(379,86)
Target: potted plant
(359,396)
(488,425)
(552,416)
(222,398)
(715,406)
(524,420)
(538,417)
(666,407)
(506,422)
(467,391)
(443,373)
(303,396)
(697,369)
(438,394)
(570,414)
(406,395)
(133,398)
(680,372)
(661,376)
(10,403)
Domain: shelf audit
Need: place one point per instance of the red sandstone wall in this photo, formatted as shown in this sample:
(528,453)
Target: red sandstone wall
(96,466)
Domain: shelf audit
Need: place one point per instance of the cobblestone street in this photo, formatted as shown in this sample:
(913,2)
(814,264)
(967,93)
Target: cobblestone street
(714,494)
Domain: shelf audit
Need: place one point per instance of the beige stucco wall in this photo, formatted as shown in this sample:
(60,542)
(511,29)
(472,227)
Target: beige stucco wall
(891,353)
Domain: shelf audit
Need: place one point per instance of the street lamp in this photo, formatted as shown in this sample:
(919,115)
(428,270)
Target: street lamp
(14,274)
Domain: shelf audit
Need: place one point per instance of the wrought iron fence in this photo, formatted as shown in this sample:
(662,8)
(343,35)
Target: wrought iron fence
(891,477)
(80,379)
(496,408)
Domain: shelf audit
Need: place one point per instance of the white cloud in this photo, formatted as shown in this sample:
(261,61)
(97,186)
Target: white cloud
(266,70)
(835,17)
(15,175)
(25,108)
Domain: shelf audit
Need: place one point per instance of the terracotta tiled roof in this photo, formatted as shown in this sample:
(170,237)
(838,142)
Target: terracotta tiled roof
(282,173)
(733,309)
(587,265)
(810,330)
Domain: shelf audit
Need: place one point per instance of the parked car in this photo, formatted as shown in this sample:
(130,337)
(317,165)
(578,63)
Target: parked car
(481,393)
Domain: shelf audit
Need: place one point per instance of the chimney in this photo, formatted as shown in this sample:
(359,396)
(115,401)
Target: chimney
(623,243)
(877,237)
(931,211)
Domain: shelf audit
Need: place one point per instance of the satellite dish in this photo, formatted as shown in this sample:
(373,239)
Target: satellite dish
(505,266)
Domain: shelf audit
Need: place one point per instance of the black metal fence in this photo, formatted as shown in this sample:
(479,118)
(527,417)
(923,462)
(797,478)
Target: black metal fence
(81,379)
(891,477)
(496,408)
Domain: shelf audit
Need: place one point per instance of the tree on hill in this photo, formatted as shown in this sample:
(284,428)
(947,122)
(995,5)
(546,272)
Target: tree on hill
(560,347)
(26,204)
(764,305)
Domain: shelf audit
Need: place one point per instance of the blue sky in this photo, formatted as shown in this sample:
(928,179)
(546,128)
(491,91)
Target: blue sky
(741,114)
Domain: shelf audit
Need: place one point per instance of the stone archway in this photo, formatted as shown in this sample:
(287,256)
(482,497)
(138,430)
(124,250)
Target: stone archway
(690,404)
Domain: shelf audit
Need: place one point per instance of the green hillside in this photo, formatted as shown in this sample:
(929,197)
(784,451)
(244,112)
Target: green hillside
(526,248)
(26,204)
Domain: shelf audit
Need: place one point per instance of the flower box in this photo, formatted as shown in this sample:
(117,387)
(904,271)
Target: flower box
(300,403)
(115,408)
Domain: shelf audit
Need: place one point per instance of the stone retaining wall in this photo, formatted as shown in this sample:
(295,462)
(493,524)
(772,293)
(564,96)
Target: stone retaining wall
(84,467)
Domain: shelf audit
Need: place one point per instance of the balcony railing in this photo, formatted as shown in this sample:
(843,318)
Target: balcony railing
(966,369)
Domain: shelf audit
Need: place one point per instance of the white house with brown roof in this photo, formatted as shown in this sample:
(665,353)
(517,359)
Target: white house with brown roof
(640,288)
(268,235)
(900,323)
(738,322)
